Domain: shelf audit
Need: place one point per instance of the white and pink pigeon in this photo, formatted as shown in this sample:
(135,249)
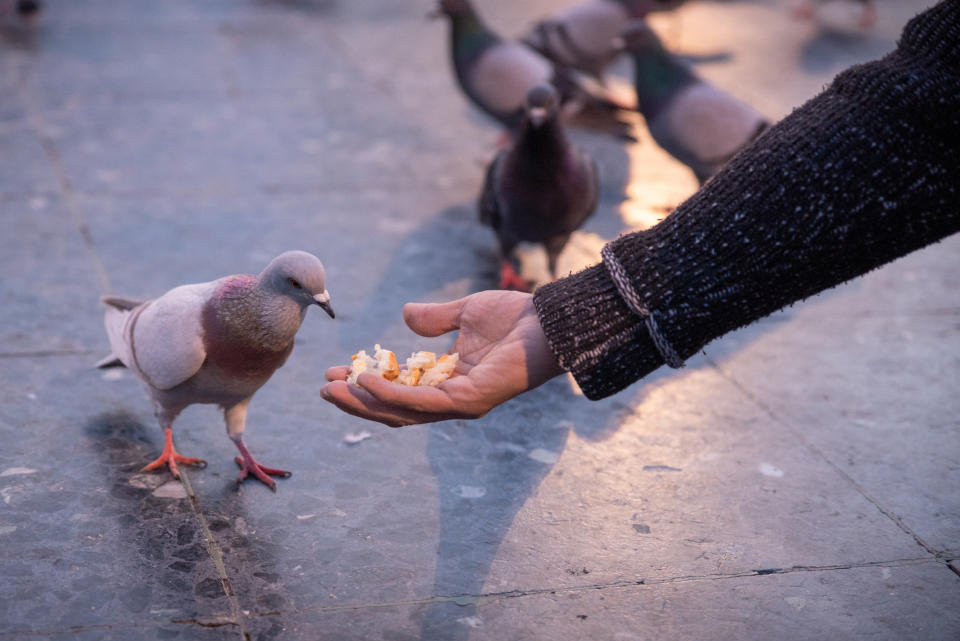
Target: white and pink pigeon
(215,342)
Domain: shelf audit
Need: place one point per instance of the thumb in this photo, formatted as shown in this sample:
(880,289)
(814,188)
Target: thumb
(433,319)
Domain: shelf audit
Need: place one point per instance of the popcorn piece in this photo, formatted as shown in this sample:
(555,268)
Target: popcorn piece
(386,363)
(409,376)
(361,362)
(441,371)
(422,368)
(421,360)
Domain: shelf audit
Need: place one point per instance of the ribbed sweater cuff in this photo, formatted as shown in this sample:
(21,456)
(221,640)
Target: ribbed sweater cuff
(583,318)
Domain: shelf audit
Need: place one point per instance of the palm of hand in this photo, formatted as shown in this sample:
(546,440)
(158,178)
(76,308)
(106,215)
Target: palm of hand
(503,353)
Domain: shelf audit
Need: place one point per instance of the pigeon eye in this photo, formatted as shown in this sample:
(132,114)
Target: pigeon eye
(294,284)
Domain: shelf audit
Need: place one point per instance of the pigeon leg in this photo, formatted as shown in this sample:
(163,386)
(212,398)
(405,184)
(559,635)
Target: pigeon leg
(869,16)
(248,465)
(510,279)
(236,416)
(554,246)
(171,458)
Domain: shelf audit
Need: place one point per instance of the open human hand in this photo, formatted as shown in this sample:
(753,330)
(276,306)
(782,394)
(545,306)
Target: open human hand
(503,353)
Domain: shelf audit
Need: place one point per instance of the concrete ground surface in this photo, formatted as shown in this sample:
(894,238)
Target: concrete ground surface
(798,480)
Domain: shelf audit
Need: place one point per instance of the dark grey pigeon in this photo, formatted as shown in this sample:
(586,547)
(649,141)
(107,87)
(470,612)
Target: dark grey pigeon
(581,36)
(699,124)
(496,74)
(215,342)
(539,190)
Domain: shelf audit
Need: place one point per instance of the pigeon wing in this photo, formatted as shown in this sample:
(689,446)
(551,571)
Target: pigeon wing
(166,336)
(489,207)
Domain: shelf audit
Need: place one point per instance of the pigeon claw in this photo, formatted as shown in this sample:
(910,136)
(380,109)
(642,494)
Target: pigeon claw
(260,472)
(510,279)
(170,457)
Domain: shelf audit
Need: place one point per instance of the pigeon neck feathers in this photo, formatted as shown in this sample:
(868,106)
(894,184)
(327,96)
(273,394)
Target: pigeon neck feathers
(540,151)
(245,314)
(658,77)
(470,38)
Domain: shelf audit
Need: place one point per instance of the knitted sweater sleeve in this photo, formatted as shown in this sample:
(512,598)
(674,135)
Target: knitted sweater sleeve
(865,172)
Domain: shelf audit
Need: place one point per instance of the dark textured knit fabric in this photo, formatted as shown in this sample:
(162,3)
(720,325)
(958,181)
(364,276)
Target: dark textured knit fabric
(867,171)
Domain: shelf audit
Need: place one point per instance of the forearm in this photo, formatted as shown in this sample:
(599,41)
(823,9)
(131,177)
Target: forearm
(860,175)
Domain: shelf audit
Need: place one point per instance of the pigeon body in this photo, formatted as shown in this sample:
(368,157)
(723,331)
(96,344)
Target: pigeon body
(699,124)
(496,74)
(539,190)
(582,36)
(215,342)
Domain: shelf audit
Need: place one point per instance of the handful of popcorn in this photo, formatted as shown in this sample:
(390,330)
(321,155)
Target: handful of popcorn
(422,368)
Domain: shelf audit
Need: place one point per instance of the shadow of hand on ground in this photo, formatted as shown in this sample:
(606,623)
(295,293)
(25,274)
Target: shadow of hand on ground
(447,256)
(486,470)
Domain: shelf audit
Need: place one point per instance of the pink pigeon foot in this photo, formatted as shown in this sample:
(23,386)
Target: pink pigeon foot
(170,457)
(248,465)
(510,279)
(869,16)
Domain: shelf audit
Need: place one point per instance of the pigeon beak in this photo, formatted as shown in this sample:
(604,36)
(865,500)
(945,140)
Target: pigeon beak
(323,300)
(537,116)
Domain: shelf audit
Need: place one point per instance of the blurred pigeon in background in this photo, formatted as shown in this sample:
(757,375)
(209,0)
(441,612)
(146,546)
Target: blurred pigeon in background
(215,342)
(840,15)
(540,190)
(25,8)
(700,125)
(496,75)
(581,36)
(28,7)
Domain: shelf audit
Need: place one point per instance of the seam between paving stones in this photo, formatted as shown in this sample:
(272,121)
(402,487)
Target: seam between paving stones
(43,353)
(816,451)
(35,125)
(470,599)
(211,622)
(216,555)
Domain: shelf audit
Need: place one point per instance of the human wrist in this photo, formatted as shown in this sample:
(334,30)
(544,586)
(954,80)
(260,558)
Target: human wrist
(593,334)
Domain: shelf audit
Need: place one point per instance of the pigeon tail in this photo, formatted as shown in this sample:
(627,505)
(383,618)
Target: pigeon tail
(120,302)
(108,361)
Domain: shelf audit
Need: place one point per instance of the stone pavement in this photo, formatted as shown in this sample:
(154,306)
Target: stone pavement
(796,481)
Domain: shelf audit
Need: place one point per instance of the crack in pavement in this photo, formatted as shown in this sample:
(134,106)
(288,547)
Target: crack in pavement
(216,555)
(459,599)
(468,599)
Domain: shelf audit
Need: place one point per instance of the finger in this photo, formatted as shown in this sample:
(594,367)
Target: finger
(424,399)
(353,400)
(433,319)
(338,373)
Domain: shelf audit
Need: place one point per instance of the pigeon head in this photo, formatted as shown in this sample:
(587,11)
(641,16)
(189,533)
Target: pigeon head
(299,276)
(638,37)
(542,102)
(640,8)
(452,8)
